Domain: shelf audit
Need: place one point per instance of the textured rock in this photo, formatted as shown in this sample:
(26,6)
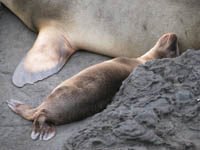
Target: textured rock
(157,108)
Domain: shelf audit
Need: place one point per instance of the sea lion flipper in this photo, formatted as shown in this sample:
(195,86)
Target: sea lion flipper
(47,56)
(42,130)
(43,134)
(12,104)
(22,76)
(21,109)
(49,133)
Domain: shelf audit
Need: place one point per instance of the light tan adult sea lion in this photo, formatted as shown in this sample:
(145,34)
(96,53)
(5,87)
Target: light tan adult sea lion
(89,91)
(108,27)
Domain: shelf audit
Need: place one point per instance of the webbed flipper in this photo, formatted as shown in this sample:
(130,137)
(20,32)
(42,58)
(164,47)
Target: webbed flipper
(42,129)
(48,55)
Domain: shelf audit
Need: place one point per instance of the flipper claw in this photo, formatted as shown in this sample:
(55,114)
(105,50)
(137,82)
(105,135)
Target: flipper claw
(35,135)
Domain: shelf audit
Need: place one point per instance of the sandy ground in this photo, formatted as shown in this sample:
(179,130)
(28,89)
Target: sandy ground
(15,41)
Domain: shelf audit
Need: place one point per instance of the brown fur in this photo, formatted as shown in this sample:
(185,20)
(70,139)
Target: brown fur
(89,91)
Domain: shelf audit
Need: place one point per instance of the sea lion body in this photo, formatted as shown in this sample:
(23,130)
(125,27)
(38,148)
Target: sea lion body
(89,91)
(112,28)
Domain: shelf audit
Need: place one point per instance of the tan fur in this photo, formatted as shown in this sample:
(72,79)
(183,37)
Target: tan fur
(123,28)
(89,91)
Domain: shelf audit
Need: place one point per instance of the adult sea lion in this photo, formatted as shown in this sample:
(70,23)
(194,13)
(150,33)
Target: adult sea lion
(89,91)
(109,27)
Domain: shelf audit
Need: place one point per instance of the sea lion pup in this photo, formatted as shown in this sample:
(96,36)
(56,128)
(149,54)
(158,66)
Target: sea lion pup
(89,91)
(112,28)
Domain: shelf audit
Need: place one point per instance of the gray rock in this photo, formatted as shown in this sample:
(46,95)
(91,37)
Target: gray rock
(156,108)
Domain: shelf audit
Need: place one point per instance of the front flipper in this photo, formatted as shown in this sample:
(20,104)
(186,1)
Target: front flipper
(47,56)
(42,130)
(23,76)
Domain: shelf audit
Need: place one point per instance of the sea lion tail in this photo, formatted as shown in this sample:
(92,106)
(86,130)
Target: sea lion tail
(21,109)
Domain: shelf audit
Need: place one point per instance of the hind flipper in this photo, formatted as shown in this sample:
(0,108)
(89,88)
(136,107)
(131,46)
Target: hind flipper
(43,130)
(21,109)
(13,104)
(47,56)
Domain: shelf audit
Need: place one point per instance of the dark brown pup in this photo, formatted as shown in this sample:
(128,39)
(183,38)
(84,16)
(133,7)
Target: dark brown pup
(88,92)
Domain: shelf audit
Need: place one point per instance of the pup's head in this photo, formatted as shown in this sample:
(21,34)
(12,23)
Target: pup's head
(166,46)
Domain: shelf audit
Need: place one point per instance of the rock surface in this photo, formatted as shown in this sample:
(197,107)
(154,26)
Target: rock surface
(157,108)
